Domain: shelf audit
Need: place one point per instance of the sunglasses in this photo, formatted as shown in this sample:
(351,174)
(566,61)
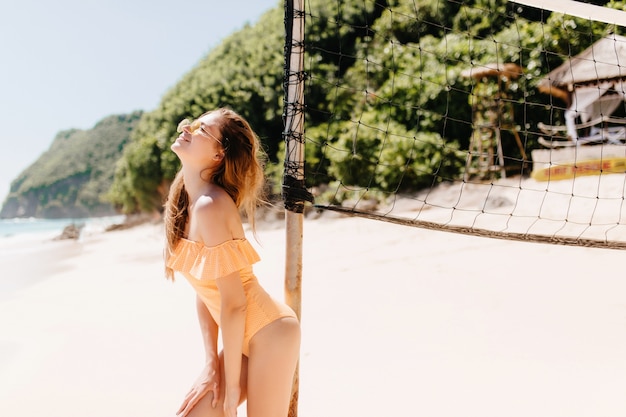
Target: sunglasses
(196,128)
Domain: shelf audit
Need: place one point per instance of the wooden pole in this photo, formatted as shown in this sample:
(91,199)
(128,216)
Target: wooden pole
(293,286)
(294,193)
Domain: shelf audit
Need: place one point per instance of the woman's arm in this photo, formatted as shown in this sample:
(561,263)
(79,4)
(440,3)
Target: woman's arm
(232,323)
(209,379)
(215,218)
(209,331)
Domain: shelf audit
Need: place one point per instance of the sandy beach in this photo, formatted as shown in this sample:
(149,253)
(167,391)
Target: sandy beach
(397,321)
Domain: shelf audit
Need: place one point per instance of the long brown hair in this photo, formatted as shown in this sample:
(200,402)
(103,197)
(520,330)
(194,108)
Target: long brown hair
(240,175)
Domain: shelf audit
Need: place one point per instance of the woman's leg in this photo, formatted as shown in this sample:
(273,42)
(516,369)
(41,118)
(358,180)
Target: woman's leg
(204,409)
(274,353)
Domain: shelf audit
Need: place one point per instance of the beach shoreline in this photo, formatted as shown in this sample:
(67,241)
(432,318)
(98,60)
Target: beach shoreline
(396,320)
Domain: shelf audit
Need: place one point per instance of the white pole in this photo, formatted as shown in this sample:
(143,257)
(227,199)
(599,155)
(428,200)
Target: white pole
(579,9)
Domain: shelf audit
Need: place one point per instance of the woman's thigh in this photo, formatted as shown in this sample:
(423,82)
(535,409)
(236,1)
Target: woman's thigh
(274,353)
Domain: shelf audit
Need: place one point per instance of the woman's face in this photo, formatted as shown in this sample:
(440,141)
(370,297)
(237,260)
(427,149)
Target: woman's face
(198,142)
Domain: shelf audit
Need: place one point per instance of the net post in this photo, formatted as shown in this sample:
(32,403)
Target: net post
(294,192)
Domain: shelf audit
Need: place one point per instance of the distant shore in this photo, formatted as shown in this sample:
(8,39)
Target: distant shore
(38,228)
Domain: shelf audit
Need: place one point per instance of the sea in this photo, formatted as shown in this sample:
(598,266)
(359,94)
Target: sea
(42,229)
(27,244)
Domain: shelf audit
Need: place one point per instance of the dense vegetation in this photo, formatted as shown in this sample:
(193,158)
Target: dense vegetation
(395,66)
(72,176)
(244,72)
(400,88)
(348,53)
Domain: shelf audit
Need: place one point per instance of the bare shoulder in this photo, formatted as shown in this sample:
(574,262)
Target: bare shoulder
(215,202)
(215,217)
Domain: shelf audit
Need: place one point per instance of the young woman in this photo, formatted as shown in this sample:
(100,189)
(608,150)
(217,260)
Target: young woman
(221,175)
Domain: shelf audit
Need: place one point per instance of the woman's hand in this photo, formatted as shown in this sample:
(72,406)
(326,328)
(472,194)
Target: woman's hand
(209,380)
(231,401)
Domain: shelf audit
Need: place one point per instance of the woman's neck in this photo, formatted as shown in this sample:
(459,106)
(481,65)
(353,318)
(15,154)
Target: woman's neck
(196,184)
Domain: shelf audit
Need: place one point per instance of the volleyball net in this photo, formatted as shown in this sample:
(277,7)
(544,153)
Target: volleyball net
(485,117)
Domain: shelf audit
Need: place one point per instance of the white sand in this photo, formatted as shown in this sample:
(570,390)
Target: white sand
(397,321)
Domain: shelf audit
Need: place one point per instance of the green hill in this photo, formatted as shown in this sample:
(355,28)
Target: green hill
(72,176)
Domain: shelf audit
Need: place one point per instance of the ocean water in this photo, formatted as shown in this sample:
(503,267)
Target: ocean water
(29,254)
(32,228)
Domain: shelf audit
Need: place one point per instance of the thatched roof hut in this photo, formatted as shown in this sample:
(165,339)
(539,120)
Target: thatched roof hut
(603,61)
(592,84)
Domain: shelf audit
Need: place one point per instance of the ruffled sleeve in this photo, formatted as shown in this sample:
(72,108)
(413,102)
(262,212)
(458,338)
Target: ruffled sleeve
(204,263)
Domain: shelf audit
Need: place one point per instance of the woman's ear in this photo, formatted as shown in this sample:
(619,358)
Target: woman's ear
(218,156)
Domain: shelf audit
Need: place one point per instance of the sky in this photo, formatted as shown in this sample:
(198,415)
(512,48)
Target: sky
(70,63)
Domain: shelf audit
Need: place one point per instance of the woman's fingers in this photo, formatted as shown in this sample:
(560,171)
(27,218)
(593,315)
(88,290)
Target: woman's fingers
(189,395)
(186,407)
(182,406)
(195,395)
(216,394)
(208,381)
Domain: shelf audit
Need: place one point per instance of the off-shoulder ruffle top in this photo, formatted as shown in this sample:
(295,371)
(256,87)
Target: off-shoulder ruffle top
(202,266)
(212,262)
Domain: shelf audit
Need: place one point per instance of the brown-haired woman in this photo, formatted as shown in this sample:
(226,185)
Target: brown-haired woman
(221,175)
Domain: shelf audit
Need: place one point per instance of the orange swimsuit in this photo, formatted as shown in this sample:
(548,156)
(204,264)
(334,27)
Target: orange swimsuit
(202,265)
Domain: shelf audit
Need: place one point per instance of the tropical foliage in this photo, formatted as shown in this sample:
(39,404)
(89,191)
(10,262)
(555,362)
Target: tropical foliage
(388,104)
